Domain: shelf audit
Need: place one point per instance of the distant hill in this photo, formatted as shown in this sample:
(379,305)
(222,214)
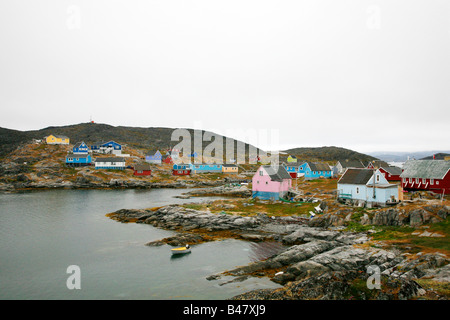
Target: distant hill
(403,156)
(328,154)
(437,156)
(146,139)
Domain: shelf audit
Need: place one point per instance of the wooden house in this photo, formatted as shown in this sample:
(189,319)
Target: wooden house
(110,163)
(271,182)
(78,159)
(367,186)
(181,170)
(155,158)
(205,167)
(80,147)
(292,159)
(230,168)
(57,139)
(292,169)
(167,159)
(142,169)
(391,173)
(429,175)
(311,170)
(110,147)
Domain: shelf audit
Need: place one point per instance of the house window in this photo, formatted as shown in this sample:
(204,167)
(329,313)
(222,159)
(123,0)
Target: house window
(437,182)
(410,180)
(431,181)
(261,173)
(267,182)
(113,163)
(357,190)
(378,178)
(424,180)
(257,182)
(417,180)
(70,159)
(404,180)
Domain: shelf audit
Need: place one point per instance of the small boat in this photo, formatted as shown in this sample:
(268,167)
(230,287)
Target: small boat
(181,250)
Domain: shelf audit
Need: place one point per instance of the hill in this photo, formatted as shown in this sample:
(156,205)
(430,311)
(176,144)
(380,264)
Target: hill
(328,154)
(437,156)
(145,139)
(403,156)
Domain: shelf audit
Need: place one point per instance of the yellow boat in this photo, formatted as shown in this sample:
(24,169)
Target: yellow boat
(181,250)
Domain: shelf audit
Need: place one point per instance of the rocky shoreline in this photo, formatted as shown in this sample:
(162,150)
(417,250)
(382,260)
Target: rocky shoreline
(318,263)
(81,183)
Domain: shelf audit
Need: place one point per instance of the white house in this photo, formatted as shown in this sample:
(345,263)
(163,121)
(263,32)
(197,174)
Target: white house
(367,185)
(117,163)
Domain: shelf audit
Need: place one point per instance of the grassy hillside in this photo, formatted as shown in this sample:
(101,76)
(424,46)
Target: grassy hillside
(328,154)
(146,139)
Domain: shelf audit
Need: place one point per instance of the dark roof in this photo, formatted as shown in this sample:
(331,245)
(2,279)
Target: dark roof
(229,165)
(426,169)
(110,159)
(142,167)
(396,171)
(319,166)
(351,164)
(356,176)
(277,173)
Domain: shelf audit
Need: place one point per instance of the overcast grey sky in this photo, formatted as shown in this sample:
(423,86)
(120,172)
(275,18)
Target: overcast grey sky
(365,75)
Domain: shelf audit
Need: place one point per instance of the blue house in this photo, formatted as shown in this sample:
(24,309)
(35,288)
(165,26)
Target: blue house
(80,147)
(205,167)
(314,170)
(367,186)
(78,160)
(110,147)
(155,158)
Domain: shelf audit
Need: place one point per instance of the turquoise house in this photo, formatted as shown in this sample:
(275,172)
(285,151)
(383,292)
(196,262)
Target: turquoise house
(78,160)
(314,170)
(205,167)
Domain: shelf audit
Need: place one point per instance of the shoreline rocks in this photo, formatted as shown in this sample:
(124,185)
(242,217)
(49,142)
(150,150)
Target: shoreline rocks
(319,263)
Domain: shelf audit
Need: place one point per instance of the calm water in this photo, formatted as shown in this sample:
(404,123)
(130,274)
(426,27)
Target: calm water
(44,232)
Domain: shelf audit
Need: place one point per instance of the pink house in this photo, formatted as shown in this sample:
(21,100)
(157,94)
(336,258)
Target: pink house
(270,182)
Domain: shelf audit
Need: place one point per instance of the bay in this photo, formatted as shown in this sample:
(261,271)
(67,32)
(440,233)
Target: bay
(42,233)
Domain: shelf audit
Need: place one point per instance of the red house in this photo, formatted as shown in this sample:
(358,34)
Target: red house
(181,170)
(391,173)
(167,159)
(142,169)
(428,175)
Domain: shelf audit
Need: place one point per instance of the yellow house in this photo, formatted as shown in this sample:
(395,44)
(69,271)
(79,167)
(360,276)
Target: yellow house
(292,159)
(229,168)
(56,139)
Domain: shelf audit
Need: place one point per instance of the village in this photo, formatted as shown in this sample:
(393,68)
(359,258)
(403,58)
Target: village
(363,207)
(371,184)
